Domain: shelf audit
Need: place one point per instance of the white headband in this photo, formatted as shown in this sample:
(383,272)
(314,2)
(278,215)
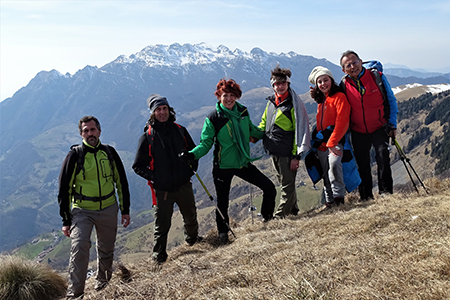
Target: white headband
(273,80)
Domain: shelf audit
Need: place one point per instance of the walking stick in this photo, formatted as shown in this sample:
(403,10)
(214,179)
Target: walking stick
(251,208)
(212,199)
(404,158)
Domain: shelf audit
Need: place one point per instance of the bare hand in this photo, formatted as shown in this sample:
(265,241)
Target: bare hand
(335,151)
(125,220)
(311,92)
(294,164)
(66,230)
(253,140)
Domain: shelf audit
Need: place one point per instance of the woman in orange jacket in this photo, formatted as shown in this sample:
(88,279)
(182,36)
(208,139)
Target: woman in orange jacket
(333,116)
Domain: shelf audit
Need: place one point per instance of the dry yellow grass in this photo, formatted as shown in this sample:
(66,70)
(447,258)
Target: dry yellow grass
(396,247)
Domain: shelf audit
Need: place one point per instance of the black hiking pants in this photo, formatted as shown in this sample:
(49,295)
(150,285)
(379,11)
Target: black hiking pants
(361,146)
(251,174)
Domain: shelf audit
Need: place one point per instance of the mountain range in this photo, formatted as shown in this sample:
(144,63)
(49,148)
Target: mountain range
(39,123)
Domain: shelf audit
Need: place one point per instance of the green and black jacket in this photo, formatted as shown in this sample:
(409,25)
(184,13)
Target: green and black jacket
(95,186)
(217,130)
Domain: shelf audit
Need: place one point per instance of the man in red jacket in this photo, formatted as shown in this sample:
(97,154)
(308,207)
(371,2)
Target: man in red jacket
(373,121)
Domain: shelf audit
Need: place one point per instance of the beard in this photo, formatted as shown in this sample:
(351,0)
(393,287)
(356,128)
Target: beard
(92,140)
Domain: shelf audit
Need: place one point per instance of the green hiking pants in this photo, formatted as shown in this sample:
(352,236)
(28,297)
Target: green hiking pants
(288,200)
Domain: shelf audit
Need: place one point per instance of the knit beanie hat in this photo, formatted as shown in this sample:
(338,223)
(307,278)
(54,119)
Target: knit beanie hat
(156,100)
(318,71)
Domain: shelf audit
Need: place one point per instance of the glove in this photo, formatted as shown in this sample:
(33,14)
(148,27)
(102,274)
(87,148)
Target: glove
(186,156)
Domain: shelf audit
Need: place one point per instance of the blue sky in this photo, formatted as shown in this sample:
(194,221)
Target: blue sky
(68,35)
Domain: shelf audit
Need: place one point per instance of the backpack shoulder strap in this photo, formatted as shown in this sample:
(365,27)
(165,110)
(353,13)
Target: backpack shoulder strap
(218,120)
(150,134)
(182,134)
(78,149)
(377,77)
(342,84)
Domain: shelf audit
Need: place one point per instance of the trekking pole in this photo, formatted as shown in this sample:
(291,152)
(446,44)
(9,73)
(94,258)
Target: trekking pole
(404,158)
(252,208)
(212,199)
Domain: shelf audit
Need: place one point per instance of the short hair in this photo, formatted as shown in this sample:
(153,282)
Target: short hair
(86,119)
(347,53)
(172,117)
(279,74)
(228,86)
(320,97)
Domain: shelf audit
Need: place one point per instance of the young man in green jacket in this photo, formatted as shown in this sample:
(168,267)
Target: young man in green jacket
(286,125)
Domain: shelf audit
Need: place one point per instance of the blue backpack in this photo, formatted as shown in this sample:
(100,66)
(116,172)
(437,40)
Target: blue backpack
(350,171)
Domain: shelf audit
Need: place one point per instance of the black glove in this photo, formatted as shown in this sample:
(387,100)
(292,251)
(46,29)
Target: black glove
(186,156)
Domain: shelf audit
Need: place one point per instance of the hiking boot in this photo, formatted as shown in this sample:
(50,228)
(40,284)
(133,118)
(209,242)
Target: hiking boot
(339,201)
(195,240)
(159,259)
(365,199)
(223,238)
(267,218)
(79,297)
(327,206)
(100,285)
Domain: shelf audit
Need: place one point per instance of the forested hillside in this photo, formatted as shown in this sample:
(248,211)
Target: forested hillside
(436,108)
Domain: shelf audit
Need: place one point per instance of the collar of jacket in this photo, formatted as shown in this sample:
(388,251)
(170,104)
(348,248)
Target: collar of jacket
(240,108)
(272,98)
(89,148)
(359,76)
(280,98)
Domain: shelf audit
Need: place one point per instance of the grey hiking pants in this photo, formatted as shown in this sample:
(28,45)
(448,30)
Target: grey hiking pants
(288,200)
(333,177)
(83,221)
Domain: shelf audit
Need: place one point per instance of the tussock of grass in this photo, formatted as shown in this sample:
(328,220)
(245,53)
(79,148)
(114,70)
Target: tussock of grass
(25,280)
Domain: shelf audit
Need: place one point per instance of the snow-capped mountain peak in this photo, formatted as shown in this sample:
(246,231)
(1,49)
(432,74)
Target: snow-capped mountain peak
(177,55)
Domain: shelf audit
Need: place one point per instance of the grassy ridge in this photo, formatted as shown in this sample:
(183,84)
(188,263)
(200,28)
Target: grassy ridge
(395,247)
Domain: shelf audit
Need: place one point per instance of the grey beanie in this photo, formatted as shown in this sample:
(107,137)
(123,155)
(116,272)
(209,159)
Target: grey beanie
(156,100)
(318,71)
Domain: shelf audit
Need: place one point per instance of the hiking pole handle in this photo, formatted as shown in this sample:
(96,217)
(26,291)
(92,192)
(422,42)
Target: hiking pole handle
(400,150)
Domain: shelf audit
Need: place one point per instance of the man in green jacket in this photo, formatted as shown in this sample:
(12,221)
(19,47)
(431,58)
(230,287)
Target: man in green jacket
(286,125)
(90,177)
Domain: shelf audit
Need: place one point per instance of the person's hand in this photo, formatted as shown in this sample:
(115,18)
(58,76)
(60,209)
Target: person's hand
(66,230)
(393,133)
(311,92)
(186,156)
(336,151)
(125,220)
(253,140)
(295,163)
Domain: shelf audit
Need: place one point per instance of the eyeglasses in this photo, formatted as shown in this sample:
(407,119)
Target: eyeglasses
(349,65)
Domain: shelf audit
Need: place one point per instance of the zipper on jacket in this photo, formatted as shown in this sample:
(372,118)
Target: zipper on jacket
(321,117)
(359,88)
(98,178)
